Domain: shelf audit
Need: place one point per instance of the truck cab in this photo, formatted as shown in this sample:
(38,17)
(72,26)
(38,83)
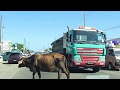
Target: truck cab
(84,47)
(112,59)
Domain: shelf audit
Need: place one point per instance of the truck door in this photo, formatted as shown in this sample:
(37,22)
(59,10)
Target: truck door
(110,59)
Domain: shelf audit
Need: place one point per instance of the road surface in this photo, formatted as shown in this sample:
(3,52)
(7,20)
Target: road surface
(11,71)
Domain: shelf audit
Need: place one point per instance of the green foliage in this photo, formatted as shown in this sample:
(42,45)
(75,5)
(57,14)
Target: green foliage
(48,49)
(30,51)
(117,46)
(20,47)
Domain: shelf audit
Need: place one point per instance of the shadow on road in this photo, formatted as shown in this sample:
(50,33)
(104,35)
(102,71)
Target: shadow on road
(105,68)
(6,62)
(78,70)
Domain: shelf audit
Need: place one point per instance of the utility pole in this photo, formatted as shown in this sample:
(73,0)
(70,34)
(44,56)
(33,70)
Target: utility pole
(44,48)
(24,50)
(29,45)
(84,20)
(0,34)
(2,39)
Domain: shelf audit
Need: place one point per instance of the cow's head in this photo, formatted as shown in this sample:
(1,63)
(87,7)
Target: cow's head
(21,63)
(25,62)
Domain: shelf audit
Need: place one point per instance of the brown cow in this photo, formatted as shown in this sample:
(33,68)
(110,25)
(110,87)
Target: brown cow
(46,62)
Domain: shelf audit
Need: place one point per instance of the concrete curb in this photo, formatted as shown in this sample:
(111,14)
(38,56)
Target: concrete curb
(1,59)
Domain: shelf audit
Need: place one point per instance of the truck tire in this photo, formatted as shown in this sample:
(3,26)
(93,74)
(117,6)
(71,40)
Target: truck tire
(96,69)
(118,69)
(110,67)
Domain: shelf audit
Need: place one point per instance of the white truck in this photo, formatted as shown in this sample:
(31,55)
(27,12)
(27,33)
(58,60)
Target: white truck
(112,59)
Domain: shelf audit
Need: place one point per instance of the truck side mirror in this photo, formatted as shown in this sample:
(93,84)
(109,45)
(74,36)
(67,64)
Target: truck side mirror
(68,39)
(112,54)
(3,54)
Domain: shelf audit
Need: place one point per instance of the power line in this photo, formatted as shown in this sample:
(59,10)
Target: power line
(84,17)
(112,28)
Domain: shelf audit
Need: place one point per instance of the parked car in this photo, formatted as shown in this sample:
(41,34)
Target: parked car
(14,57)
(26,55)
(5,56)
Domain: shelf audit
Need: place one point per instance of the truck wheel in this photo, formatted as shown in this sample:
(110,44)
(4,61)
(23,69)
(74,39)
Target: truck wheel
(110,67)
(71,69)
(117,69)
(96,69)
(9,62)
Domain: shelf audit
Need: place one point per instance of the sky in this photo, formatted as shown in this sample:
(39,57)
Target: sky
(41,28)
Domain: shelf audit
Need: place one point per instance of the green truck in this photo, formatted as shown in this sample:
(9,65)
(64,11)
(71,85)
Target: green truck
(84,47)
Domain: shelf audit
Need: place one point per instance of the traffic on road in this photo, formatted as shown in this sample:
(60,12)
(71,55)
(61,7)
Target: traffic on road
(82,52)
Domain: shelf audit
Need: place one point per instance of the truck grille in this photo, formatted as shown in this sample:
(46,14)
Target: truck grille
(89,51)
(90,58)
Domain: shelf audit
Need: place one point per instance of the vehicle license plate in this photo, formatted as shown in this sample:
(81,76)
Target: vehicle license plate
(90,62)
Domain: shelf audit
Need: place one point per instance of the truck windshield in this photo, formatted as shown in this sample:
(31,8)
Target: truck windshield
(7,53)
(88,37)
(117,52)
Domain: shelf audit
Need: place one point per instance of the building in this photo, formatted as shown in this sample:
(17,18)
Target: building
(6,46)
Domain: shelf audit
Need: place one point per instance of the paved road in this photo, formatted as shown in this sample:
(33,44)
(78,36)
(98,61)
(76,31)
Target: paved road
(11,71)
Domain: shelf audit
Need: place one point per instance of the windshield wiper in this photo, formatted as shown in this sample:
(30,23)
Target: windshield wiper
(97,43)
(82,42)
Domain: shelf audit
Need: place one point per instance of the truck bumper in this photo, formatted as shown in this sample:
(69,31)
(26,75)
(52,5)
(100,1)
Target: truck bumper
(88,64)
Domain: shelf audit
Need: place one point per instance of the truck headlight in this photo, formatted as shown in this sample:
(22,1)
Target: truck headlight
(117,60)
(75,59)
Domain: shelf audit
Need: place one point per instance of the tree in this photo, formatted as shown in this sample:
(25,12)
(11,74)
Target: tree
(48,49)
(20,47)
(30,51)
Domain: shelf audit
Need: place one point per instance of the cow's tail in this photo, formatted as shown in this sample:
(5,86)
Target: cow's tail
(34,60)
(36,63)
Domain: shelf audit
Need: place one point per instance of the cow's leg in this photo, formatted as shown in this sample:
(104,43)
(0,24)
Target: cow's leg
(68,74)
(39,74)
(38,71)
(59,73)
(33,69)
(34,75)
(66,71)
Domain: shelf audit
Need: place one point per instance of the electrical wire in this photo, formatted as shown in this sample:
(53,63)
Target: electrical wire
(79,20)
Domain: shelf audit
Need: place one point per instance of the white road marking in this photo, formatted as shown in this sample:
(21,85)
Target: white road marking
(111,72)
(14,74)
(97,77)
